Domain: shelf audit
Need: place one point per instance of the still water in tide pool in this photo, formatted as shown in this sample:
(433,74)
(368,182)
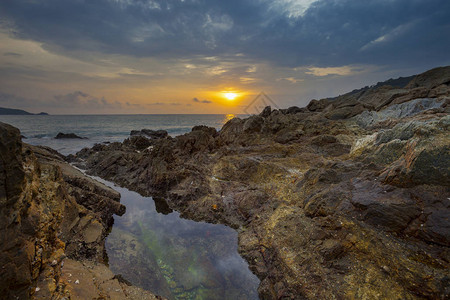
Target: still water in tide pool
(162,253)
(174,257)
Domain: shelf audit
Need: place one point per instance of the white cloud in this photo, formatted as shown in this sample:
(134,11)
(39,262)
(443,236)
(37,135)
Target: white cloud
(214,25)
(251,69)
(145,32)
(149,4)
(390,36)
(292,8)
(342,71)
(291,79)
(247,80)
(217,70)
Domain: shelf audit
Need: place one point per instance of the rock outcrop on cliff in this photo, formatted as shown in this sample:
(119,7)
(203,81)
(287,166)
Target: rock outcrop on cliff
(346,198)
(53,224)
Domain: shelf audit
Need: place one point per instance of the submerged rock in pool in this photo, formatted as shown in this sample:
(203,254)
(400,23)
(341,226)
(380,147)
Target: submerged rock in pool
(177,258)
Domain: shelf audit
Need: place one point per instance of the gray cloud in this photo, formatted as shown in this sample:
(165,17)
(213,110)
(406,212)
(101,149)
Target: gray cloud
(72,102)
(14,54)
(328,33)
(13,101)
(82,100)
(201,101)
(164,103)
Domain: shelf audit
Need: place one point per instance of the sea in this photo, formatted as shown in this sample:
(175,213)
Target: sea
(41,130)
(156,250)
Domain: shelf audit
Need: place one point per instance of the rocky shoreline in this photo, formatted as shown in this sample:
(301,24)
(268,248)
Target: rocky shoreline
(53,225)
(346,198)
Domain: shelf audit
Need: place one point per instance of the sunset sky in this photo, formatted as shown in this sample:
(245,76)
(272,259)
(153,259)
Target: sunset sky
(184,56)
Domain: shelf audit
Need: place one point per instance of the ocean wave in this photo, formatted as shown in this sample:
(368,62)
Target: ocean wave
(41,136)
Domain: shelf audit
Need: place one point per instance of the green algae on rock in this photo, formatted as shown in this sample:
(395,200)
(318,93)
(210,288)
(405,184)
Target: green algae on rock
(177,258)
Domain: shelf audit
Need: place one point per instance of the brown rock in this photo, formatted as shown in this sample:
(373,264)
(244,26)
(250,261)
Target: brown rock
(41,224)
(315,220)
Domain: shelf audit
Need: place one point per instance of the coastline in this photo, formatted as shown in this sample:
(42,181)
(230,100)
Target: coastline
(337,199)
(340,199)
(54,224)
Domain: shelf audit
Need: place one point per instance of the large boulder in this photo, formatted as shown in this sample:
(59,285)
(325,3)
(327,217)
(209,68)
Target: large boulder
(431,78)
(50,211)
(11,171)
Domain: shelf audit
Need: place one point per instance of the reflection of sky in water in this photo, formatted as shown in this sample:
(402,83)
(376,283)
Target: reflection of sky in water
(174,257)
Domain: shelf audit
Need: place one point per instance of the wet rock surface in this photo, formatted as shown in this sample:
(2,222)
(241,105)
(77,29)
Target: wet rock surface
(346,198)
(53,224)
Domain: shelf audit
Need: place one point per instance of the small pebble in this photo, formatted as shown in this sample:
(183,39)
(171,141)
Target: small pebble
(77,281)
(37,289)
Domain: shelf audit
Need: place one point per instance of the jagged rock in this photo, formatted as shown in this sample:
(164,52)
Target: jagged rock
(408,109)
(266,112)
(152,134)
(200,139)
(421,165)
(431,78)
(50,211)
(286,135)
(231,130)
(253,124)
(138,142)
(61,135)
(441,90)
(345,112)
(209,130)
(317,105)
(11,172)
(347,198)
(295,110)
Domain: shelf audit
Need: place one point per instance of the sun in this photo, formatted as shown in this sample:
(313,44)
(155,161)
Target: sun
(230,96)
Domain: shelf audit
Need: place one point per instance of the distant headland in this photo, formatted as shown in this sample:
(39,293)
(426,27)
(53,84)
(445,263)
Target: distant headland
(12,111)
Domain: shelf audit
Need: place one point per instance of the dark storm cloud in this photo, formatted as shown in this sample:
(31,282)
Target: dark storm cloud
(329,33)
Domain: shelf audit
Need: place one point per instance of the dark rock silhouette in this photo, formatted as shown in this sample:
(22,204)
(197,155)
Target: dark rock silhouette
(152,134)
(12,111)
(61,135)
